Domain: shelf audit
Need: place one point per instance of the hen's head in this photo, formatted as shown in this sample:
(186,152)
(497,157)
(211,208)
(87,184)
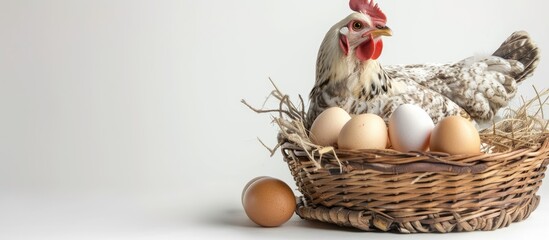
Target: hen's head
(361,31)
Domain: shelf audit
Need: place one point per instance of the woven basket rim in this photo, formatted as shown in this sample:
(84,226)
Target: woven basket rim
(389,158)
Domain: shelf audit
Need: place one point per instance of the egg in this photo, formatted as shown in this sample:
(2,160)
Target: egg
(248,185)
(364,131)
(410,128)
(269,202)
(326,127)
(455,135)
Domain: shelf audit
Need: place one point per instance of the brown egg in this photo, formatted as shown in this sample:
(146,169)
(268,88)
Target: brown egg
(269,202)
(364,131)
(248,185)
(455,135)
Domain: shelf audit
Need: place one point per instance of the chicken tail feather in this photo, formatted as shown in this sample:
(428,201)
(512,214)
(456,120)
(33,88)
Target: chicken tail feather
(520,47)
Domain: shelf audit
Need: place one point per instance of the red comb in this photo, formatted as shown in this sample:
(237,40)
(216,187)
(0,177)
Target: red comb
(368,7)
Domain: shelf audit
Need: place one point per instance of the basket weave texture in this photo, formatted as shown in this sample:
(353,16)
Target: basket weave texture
(384,190)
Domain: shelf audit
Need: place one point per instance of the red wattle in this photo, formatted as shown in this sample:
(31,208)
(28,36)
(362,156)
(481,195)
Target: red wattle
(377,50)
(365,50)
(369,50)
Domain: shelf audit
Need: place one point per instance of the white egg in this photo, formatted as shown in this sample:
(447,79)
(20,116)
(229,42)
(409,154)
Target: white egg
(410,128)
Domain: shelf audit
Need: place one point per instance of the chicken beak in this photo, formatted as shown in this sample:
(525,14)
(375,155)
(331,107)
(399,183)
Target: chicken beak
(385,31)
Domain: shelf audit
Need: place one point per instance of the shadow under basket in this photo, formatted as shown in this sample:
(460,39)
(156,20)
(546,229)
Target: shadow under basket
(385,190)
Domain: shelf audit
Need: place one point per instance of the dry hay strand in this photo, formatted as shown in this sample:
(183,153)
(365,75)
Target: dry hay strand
(290,120)
(524,127)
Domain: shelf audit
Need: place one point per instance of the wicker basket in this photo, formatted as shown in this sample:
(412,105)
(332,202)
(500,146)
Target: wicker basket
(391,191)
(384,190)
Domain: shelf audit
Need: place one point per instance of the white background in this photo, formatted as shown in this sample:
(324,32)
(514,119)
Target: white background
(122,119)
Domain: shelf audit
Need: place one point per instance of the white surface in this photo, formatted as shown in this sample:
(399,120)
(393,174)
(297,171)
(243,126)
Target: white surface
(122,120)
(172,216)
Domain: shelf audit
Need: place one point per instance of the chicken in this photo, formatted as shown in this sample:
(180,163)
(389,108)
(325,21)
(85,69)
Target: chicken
(349,76)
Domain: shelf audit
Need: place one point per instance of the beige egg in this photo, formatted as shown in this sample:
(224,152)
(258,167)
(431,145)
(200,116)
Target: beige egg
(455,135)
(364,131)
(326,127)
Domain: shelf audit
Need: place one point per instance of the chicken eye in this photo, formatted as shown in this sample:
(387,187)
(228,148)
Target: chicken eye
(357,26)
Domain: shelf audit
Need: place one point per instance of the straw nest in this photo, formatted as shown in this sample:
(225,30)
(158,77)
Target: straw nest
(387,190)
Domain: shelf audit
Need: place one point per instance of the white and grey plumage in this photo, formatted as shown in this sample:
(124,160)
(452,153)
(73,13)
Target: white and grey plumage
(349,75)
